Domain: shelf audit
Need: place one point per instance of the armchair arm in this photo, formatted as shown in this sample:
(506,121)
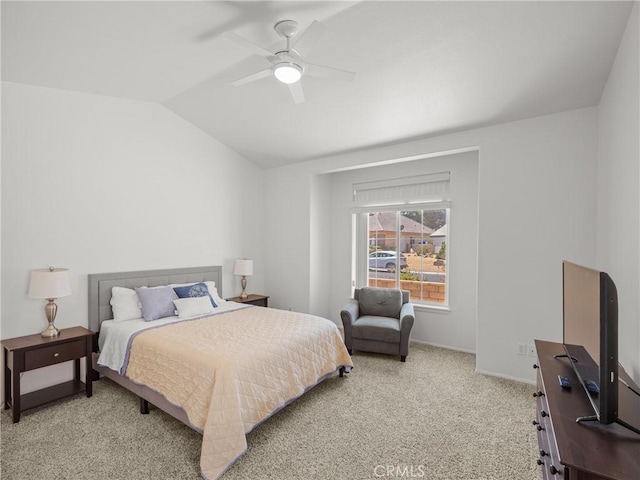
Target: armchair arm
(349,314)
(407,317)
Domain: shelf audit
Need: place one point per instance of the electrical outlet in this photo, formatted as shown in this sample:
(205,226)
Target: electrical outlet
(522,349)
(531,350)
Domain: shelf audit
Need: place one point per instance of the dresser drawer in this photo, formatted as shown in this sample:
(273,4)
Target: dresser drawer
(549,455)
(42,357)
(544,458)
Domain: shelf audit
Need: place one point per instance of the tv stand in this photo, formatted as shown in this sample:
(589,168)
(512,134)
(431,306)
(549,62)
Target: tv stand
(571,450)
(594,418)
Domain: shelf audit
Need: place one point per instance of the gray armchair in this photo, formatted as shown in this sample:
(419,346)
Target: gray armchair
(378,320)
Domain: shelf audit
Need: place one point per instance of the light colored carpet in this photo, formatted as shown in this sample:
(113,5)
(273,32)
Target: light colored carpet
(431,417)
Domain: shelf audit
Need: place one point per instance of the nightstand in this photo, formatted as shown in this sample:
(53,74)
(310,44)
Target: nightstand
(22,354)
(258,300)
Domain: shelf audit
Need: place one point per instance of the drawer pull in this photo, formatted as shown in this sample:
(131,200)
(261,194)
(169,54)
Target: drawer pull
(539,393)
(543,453)
(538,426)
(553,470)
(543,413)
(539,462)
(56,354)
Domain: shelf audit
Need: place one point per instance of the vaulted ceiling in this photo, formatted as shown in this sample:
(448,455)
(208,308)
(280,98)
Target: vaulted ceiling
(422,68)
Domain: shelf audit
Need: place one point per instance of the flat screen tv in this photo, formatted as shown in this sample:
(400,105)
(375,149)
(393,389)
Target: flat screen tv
(590,320)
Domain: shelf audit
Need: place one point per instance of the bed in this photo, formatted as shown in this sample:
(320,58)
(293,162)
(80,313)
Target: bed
(223,372)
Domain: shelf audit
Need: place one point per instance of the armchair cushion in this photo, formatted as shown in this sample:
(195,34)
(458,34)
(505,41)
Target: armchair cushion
(380,302)
(381,329)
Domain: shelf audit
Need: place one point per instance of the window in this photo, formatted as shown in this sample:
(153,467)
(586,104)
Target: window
(401,235)
(405,249)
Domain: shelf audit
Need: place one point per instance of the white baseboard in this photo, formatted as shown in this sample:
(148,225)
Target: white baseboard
(448,347)
(508,377)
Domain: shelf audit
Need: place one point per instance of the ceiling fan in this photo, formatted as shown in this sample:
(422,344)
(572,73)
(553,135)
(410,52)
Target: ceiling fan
(288,65)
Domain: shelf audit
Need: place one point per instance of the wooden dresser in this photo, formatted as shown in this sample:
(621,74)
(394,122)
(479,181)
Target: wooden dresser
(580,451)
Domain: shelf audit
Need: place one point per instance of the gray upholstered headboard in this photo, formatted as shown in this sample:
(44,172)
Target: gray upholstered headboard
(100,285)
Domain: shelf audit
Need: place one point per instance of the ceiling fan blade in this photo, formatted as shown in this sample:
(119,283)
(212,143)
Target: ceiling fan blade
(296,92)
(257,49)
(305,42)
(253,77)
(328,72)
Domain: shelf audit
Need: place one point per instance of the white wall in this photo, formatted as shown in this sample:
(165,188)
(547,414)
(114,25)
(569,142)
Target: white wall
(320,219)
(619,190)
(99,184)
(536,207)
(287,239)
(457,327)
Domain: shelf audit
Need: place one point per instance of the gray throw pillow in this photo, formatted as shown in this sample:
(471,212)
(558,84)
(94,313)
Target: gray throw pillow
(156,302)
(380,302)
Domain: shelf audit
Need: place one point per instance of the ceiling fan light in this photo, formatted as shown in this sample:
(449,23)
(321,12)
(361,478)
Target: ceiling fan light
(287,72)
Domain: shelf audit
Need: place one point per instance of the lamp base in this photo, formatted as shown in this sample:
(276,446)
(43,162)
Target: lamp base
(50,331)
(50,310)
(243,283)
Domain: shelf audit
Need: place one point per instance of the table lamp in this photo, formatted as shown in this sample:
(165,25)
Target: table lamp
(50,283)
(243,267)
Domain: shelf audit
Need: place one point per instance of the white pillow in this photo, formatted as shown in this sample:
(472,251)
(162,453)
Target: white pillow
(124,304)
(193,306)
(211,285)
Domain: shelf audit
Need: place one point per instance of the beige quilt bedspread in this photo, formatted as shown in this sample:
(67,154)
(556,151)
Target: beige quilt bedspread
(231,371)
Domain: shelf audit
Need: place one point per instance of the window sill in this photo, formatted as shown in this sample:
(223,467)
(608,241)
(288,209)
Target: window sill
(431,308)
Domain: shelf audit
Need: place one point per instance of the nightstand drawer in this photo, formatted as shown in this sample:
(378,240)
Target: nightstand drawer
(42,357)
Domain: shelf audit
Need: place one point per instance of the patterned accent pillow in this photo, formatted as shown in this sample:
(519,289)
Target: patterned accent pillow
(195,290)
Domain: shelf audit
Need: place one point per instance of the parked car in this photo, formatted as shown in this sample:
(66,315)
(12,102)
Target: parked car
(386,260)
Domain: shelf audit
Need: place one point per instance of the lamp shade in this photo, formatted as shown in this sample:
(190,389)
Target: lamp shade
(50,283)
(243,267)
